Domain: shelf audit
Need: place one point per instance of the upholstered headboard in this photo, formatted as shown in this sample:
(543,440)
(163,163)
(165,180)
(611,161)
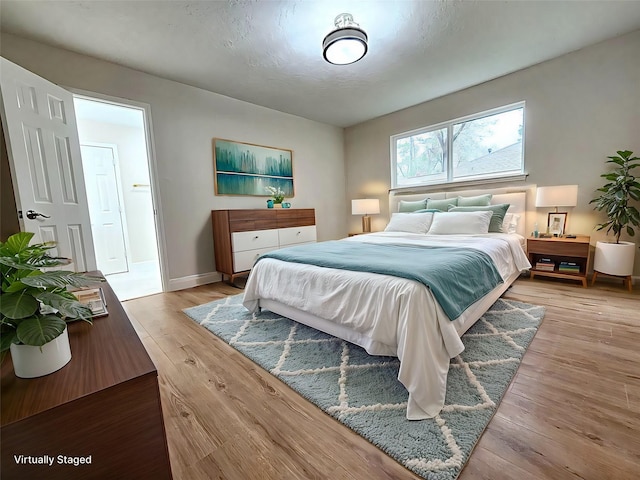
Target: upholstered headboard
(518,198)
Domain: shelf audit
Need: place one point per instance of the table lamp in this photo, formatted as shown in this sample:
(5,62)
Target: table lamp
(365,207)
(557,196)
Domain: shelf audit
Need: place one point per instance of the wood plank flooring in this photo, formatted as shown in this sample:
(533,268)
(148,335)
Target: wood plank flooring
(571,412)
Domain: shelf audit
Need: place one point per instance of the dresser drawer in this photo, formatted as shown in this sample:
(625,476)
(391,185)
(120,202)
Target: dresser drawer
(241,241)
(248,220)
(243,261)
(295,217)
(294,235)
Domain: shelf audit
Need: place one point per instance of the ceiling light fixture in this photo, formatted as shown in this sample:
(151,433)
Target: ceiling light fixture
(347,43)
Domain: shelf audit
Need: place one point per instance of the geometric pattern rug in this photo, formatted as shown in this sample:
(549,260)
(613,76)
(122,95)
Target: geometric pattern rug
(363,392)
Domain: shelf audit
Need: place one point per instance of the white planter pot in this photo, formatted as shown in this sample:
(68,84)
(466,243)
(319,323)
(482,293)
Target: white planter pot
(614,258)
(31,362)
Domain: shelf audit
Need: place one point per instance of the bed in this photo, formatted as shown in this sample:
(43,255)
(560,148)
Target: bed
(411,316)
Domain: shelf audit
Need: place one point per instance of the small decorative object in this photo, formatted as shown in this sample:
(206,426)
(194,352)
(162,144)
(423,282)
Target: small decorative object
(556,223)
(616,258)
(286,205)
(269,203)
(277,193)
(94,299)
(35,306)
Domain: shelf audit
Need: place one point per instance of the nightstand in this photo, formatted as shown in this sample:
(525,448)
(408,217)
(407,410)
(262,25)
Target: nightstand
(559,257)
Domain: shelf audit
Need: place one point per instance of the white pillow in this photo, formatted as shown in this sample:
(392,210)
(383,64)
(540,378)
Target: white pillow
(451,223)
(510,223)
(410,222)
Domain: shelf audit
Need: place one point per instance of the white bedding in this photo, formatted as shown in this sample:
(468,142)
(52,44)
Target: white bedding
(395,316)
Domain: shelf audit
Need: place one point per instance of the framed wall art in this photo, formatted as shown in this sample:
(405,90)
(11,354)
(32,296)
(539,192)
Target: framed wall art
(556,223)
(247,169)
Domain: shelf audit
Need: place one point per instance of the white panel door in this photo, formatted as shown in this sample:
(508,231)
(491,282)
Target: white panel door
(46,168)
(105,210)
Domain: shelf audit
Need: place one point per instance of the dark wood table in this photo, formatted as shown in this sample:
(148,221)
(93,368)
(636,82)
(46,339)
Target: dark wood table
(103,407)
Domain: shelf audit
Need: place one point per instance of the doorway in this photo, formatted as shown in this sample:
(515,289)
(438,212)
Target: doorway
(116,166)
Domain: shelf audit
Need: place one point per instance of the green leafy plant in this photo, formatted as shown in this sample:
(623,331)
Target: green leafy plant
(276,193)
(35,304)
(617,195)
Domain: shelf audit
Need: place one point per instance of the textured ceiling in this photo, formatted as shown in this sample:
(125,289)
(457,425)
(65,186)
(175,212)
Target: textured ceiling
(268,52)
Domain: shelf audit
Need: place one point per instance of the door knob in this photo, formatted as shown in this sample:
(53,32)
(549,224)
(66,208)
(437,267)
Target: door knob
(32,215)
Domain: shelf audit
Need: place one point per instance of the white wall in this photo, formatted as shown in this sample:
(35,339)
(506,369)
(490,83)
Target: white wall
(132,160)
(580,108)
(185,119)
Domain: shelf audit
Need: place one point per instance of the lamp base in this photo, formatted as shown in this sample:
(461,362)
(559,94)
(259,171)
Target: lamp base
(366,224)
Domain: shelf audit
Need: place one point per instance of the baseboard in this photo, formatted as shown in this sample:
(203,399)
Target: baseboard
(193,281)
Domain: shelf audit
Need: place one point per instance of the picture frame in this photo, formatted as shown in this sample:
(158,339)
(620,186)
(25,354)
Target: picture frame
(248,169)
(557,223)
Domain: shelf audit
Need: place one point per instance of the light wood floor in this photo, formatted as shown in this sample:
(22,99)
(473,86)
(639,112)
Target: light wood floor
(571,412)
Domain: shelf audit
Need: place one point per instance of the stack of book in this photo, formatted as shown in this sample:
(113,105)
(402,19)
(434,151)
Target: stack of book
(94,299)
(569,267)
(545,264)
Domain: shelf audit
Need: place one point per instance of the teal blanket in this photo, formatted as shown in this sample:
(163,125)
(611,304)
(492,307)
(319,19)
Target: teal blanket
(458,277)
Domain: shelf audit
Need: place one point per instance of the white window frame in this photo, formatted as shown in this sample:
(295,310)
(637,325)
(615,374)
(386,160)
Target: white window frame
(471,180)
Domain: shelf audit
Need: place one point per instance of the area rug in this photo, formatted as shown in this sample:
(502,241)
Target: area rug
(363,392)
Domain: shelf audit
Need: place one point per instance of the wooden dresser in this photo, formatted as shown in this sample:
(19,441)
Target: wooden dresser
(241,236)
(104,404)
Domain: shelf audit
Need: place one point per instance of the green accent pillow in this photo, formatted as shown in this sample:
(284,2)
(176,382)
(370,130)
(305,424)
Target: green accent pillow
(499,211)
(427,210)
(406,207)
(441,204)
(478,201)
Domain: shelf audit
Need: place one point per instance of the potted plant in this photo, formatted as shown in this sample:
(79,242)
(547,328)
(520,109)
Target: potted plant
(35,306)
(616,258)
(277,194)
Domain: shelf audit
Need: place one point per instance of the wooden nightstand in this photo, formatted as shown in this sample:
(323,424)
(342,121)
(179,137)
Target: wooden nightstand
(557,249)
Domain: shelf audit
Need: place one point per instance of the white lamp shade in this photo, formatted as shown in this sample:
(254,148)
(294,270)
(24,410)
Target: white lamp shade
(365,206)
(557,196)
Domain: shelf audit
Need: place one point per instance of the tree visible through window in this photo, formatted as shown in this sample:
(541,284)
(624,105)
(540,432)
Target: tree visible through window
(422,156)
(485,145)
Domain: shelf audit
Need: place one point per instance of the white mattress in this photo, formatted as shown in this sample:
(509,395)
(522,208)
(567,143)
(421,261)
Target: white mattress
(383,314)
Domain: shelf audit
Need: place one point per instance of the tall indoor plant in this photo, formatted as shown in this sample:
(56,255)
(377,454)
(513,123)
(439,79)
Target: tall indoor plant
(616,198)
(35,306)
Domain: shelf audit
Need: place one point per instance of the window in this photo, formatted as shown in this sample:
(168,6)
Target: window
(486,145)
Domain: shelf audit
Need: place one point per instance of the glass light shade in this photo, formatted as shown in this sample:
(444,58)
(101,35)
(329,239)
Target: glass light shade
(344,51)
(347,43)
(365,206)
(557,196)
